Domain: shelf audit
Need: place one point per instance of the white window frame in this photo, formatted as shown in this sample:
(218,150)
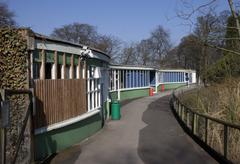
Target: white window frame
(93,90)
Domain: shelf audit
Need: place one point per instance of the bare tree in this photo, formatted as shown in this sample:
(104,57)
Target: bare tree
(150,51)
(144,52)
(189,53)
(188,12)
(88,35)
(129,55)
(110,45)
(234,14)
(171,60)
(6,16)
(77,33)
(160,44)
(211,31)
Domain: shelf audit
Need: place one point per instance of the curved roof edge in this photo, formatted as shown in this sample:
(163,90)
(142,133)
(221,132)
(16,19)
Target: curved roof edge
(31,33)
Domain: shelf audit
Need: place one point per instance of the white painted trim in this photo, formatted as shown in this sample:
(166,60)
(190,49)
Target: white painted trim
(172,83)
(119,80)
(131,67)
(126,89)
(176,70)
(65,122)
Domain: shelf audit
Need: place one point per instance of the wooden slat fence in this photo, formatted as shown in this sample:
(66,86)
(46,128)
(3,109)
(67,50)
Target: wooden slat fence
(59,100)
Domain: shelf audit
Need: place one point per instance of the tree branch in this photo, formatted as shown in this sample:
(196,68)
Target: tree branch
(220,48)
(234,15)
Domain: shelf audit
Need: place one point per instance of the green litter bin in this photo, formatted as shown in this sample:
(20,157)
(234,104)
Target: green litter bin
(115,110)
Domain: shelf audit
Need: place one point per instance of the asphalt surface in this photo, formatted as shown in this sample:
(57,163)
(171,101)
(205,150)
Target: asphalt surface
(147,133)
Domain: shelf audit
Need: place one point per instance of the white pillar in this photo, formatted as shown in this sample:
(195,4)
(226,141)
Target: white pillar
(118,85)
(156,82)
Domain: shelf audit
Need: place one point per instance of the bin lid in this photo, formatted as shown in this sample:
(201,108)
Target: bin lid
(115,101)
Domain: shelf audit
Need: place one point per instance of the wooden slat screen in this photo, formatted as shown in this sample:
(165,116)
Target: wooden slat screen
(59,100)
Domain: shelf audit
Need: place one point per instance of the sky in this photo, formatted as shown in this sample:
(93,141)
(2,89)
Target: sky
(129,20)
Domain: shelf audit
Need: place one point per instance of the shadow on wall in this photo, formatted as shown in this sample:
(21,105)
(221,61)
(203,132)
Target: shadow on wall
(163,140)
(45,147)
(48,144)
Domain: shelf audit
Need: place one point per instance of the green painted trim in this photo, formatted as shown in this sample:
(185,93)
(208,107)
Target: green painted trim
(170,86)
(129,94)
(37,55)
(57,140)
(49,56)
(60,57)
(68,59)
(96,62)
(75,60)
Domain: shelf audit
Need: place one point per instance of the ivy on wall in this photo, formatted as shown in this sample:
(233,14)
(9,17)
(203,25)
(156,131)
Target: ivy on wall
(13,59)
(14,75)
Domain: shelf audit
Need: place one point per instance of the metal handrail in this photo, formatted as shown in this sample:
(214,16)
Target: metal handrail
(181,109)
(28,115)
(236,126)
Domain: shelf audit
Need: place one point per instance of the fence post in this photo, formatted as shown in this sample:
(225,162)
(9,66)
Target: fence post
(187,118)
(193,123)
(181,107)
(178,109)
(196,124)
(183,113)
(206,130)
(225,141)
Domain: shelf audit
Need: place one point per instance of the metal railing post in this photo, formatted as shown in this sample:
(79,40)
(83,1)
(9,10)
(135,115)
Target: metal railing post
(193,120)
(187,118)
(196,124)
(206,130)
(183,113)
(225,141)
(193,123)
(178,108)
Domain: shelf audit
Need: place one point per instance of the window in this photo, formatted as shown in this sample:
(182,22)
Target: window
(48,70)
(75,71)
(93,88)
(36,67)
(67,67)
(36,70)
(59,71)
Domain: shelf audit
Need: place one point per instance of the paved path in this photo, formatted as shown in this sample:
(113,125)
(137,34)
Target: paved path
(147,133)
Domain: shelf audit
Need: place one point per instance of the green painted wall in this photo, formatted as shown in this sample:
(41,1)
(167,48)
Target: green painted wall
(129,94)
(56,140)
(170,86)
